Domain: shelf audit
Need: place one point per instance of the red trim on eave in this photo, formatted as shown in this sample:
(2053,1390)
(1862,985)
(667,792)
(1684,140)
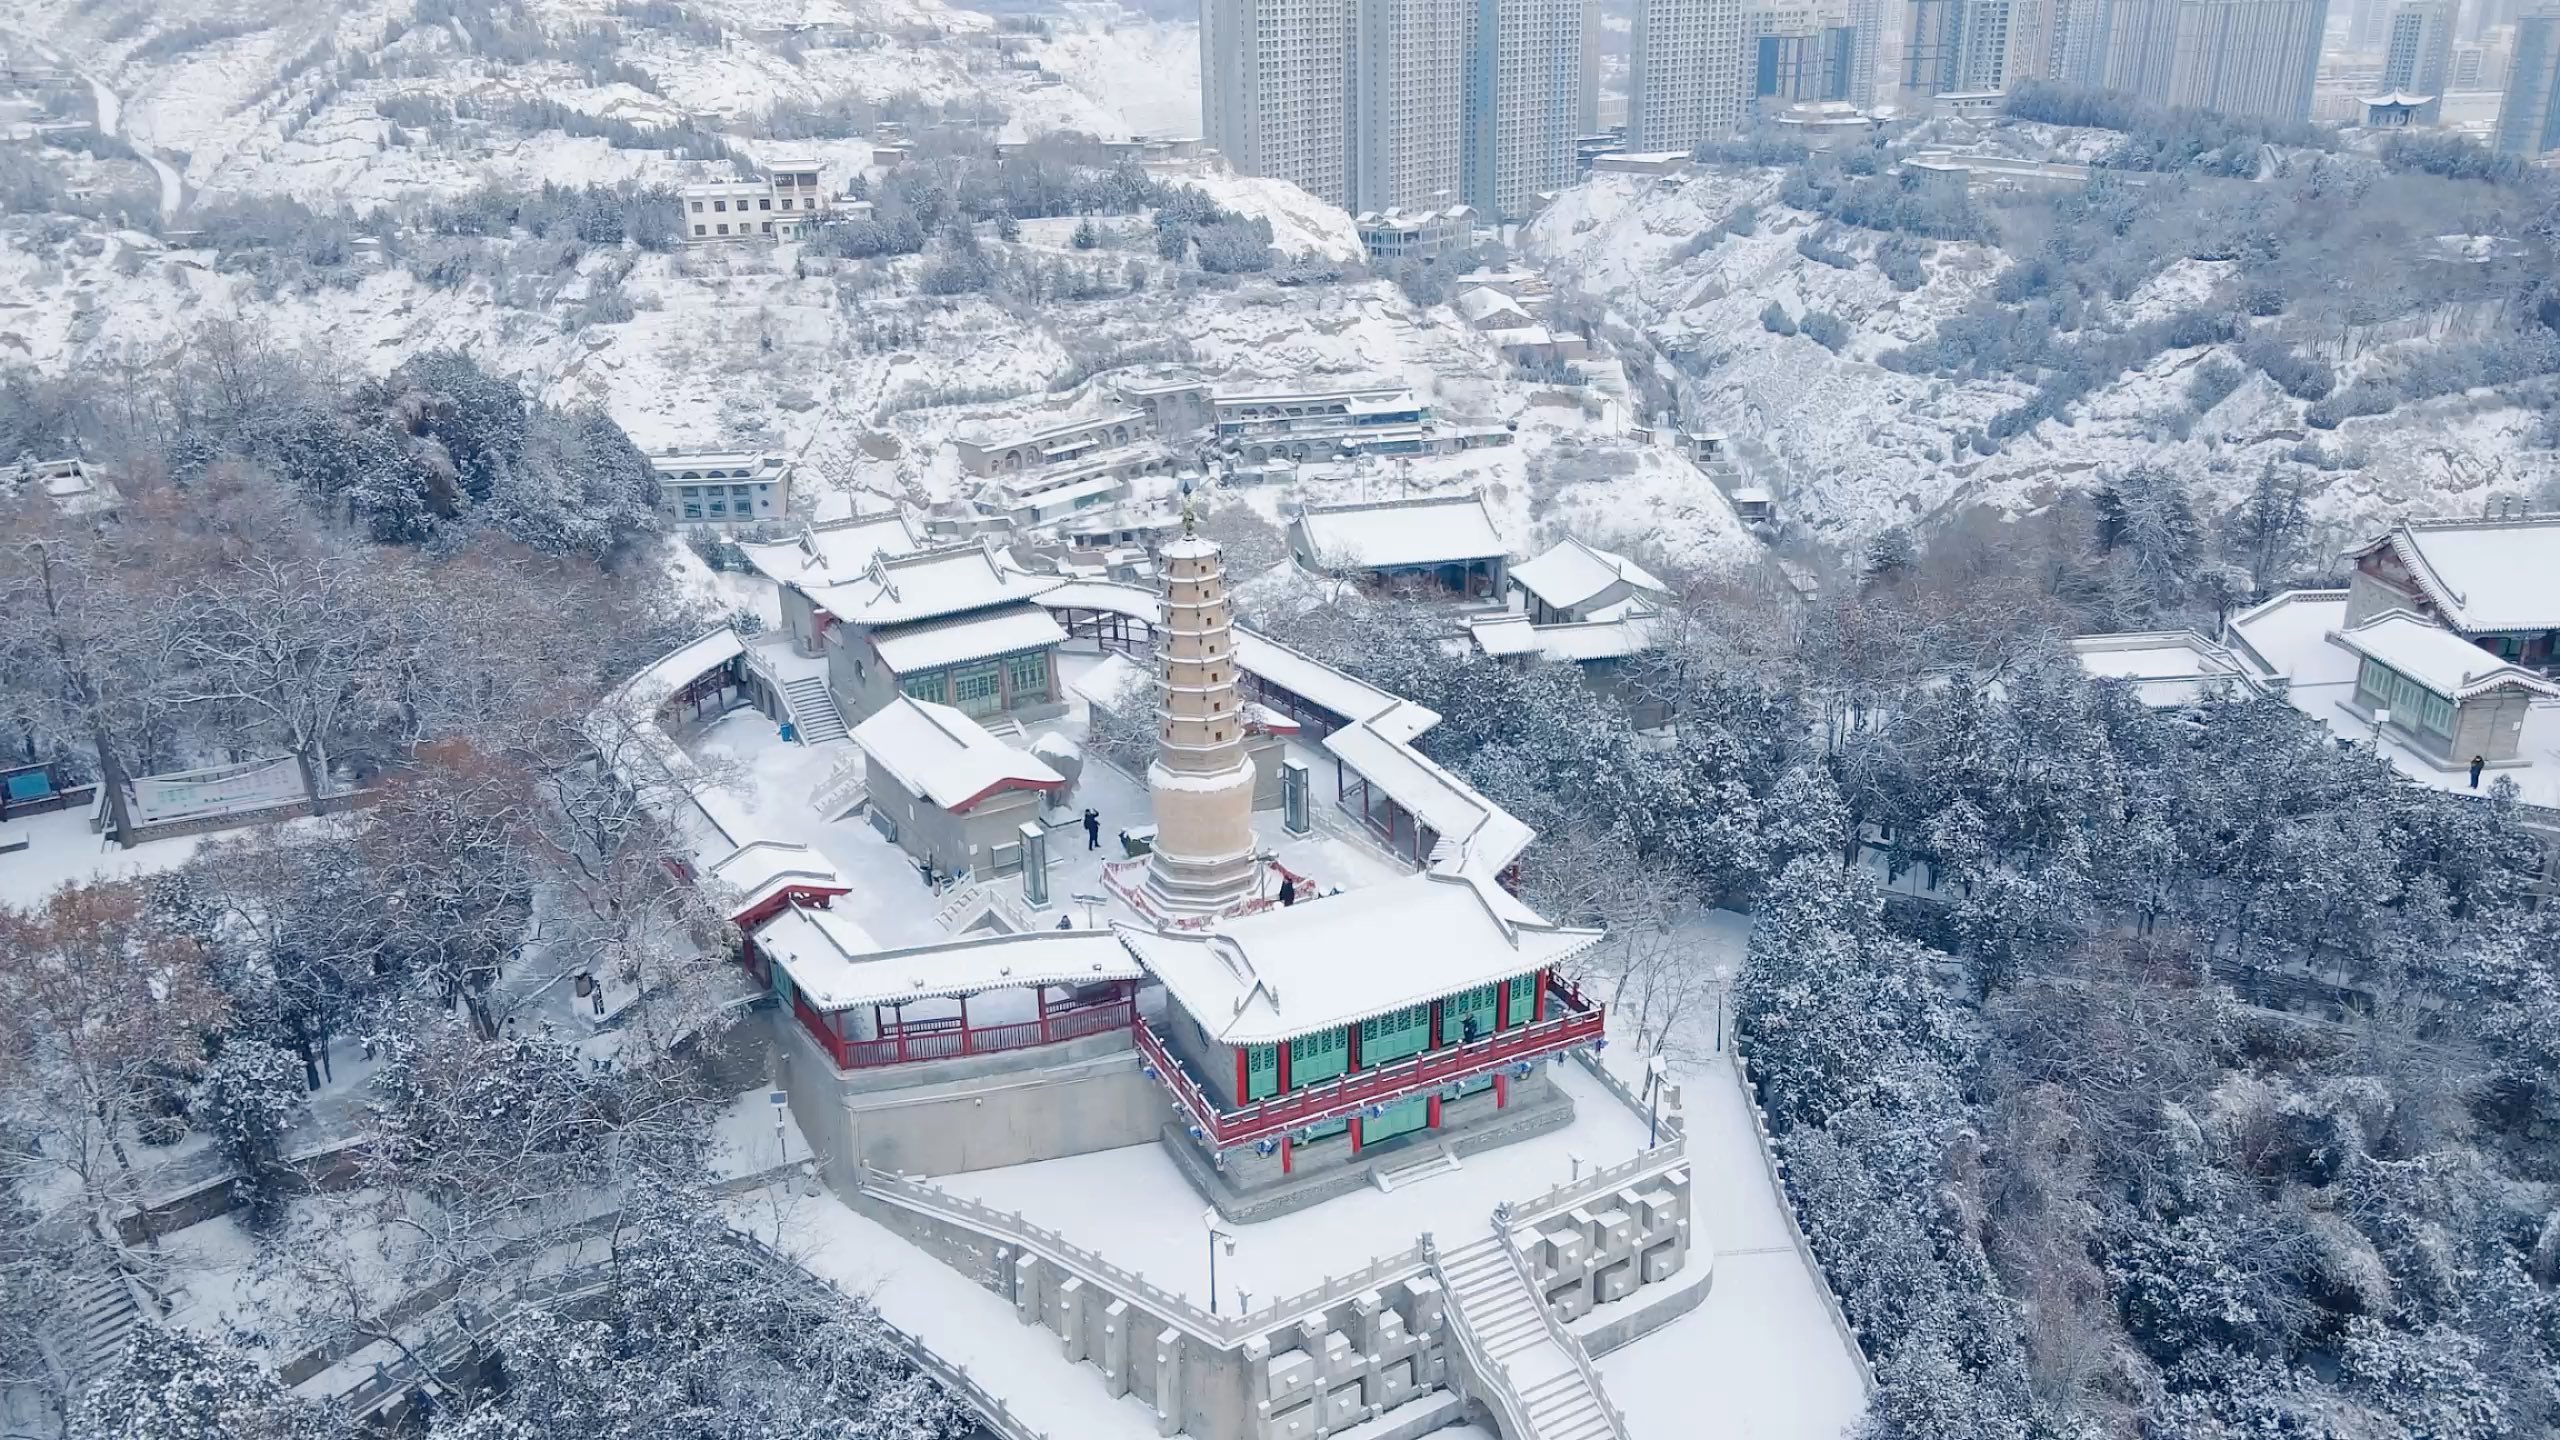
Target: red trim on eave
(1009,783)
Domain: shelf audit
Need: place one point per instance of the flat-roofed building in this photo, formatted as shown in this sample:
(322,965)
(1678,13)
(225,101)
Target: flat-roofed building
(781,206)
(1446,543)
(722,487)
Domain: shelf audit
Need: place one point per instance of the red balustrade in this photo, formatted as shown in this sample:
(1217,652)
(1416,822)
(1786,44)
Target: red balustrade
(1580,1023)
(947,1039)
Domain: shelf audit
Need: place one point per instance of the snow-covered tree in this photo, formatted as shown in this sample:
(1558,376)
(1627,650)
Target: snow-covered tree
(175,1385)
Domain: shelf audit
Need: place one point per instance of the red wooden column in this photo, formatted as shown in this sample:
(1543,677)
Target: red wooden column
(964,1024)
(1501,1007)
(1501,1090)
(1285,1163)
(1283,1047)
(1434,1107)
(1541,1012)
(1040,998)
(1243,1084)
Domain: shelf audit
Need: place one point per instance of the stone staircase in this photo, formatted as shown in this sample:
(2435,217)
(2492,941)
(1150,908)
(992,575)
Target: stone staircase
(814,716)
(846,789)
(1008,729)
(1546,1387)
(99,1318)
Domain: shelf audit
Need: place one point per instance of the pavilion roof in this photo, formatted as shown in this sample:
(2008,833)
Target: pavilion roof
(1340,959)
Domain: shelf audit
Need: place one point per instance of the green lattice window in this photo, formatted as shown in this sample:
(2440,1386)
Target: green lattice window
(1028,675)
(1391,1037)
(927,686)
(974,690)
(1454,1011)
(1524,999)
(1261,1071)
(1314,1059)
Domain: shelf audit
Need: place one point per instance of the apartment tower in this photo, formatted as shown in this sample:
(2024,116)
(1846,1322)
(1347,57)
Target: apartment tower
(1525,74)
(1407,90)
(2233,57)
(1686,81)
(2417,57)
(2529,116)
(1275,89)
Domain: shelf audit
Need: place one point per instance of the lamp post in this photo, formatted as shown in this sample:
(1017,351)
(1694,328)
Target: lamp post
(1724,979)
(1218,1236)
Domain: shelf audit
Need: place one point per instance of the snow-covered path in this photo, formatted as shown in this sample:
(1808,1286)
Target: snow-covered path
(173,190)
(1760,1353)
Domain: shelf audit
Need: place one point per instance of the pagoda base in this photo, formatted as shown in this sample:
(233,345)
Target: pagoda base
(1180,886)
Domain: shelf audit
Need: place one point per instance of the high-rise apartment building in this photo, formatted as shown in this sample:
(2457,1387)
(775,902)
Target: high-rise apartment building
(1796,50)
(1956,47)
(1524,80)
(2417,54)
(2077,49)
(2367,21)
(1586,101)
(2529,116)
(2234,57)
(1686,80)
(1866,42)
(1275,89)
(1407,102)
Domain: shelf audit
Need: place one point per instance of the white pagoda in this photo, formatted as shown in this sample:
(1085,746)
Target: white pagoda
(1201,783)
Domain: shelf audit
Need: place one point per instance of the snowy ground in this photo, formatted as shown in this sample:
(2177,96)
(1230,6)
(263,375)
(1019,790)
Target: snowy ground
(61,850)
(1761,1348)
(1133,1205)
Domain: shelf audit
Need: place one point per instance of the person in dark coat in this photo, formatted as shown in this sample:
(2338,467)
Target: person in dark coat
(2476,762)
(1288,890)
(1065,923)
(1092,829)
(1467,1031)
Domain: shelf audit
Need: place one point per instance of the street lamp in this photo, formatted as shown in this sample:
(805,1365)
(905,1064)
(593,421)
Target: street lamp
(1656,1070)
(1218,1236)
(1724,978)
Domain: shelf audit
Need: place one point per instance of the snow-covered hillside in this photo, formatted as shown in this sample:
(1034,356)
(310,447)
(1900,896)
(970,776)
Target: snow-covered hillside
(1851,447)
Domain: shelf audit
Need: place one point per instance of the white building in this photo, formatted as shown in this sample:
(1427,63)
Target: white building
(1275,84)
(1525,73)
(2233,57)
(722,487)
(1408,77)
(2529,116)
(778,207)
(1423,234)
(2417,55)
(1686,73)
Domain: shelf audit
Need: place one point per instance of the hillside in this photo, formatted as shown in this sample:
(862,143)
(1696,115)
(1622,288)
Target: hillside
(1887,426)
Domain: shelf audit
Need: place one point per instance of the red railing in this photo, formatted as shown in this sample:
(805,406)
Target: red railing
(947,1039)
(1580,1023)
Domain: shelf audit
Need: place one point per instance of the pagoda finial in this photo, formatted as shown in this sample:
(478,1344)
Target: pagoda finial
(1190,519)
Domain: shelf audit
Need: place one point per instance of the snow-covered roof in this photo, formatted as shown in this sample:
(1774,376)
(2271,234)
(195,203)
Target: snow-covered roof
(928,585)
(1343,958)
(715,464)
(1106,683)
(2399,99)
(1484,301)
(996,434)
(946,757)
(1484,835)
(2437,658)
(836,966)
(1392,716)
(836,551)
(912,649)
(1571,574)
(1044,496)
(1627,632)
(2482,575)
(761,869)
(1391,534)
(2164,667)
